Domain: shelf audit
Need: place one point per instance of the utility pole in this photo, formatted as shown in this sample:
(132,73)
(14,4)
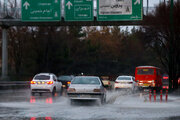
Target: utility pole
(147,7)
(0,5)
(171,42)
(5,8)
(15,4)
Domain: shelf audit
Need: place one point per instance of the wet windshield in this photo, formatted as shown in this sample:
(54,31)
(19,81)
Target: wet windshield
(65,78)
(124,78)
(42,77)
(145,71)
(86,80)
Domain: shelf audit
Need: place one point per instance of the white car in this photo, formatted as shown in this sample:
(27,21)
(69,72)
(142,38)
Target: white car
(87,88)
(125,82)
(45,83)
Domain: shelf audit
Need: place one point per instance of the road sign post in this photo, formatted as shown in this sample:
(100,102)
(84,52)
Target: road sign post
(41,10)
(79,10)
(119,10)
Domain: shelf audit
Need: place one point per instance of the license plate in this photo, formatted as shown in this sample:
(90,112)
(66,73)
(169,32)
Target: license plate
(146,85)
(122,85)
(83,96)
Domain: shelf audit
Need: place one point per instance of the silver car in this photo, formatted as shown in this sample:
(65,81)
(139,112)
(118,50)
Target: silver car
(87,88)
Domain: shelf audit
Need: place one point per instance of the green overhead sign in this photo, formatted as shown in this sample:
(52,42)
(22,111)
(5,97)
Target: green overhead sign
(119,10)
(79,10)
(40,10)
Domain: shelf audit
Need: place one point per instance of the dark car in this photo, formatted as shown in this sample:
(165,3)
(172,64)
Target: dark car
(65,80)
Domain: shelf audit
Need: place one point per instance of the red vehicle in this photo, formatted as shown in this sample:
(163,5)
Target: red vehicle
(148,76)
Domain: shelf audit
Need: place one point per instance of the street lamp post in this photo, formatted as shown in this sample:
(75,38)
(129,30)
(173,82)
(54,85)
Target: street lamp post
(171,49)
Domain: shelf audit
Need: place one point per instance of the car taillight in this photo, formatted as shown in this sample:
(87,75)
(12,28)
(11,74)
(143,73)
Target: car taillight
(97,90)
(50,82)
(165,87)
(68,83)
(33,82)
(71,90)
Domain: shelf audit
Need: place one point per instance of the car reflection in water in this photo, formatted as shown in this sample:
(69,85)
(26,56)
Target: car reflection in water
(48,100)
(46,118)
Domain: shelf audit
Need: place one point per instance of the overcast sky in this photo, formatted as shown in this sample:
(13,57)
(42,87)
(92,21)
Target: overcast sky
(152,3)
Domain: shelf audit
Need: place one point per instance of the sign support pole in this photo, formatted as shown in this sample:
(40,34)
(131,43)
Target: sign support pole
(147,7)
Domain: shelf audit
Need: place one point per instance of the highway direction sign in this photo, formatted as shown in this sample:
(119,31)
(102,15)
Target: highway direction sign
(40,10)
(119,10)
(79,10)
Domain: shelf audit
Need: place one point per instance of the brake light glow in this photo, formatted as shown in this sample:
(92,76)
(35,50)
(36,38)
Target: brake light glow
(33,82)
(32,118)
(49,100)
(165,77)
(68,82)
(48,118)
(32,100)
(50,82)
(165,87)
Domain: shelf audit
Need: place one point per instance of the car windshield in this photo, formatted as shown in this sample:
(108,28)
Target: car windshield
(42,77)
(145,71)
(65,78)
(124,78)
(86,80)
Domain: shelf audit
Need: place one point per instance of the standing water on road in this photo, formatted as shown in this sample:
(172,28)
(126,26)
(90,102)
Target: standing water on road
(20,105)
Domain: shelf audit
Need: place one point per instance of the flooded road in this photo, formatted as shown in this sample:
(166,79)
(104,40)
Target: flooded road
(20,105)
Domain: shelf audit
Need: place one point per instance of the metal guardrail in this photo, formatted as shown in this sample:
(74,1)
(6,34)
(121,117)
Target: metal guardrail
(14,83)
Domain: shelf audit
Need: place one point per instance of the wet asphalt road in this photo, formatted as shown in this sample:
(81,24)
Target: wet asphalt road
(20,105)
